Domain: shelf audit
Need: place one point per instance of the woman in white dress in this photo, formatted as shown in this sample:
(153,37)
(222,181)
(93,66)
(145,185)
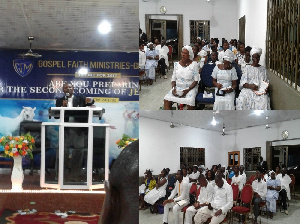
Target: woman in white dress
(225,80)
(184,81)
(254,76)
(151,62)
(160,190)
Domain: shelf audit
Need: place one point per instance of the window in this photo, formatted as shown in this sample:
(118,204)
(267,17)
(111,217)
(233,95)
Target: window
(282,42)
(234,158)
(192,156)
(251,158)
(199,28)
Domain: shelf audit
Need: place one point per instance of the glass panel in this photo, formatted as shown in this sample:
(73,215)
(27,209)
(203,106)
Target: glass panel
(75,147)
(99,155)
(51,154)
(236,159)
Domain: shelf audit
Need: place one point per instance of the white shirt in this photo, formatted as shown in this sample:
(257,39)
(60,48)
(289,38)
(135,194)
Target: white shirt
(70,101)
(182,189)
(223,198)
(243,178)
(206,193)
(260,188)
(285,184)
(194,175)
(186,179)
(237,181)
(142,59)
(163,52)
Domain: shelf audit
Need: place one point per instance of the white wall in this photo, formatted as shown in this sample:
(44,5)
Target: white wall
(160,145)
(221,13)
(257,137)
(256,23)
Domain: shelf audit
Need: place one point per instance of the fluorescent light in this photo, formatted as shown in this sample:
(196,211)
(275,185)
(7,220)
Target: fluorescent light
(214,122)
(104,27)
(258,112)
(83,71)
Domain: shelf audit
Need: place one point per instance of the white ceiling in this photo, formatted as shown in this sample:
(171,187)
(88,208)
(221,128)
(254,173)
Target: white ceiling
(69,24)
(233,120)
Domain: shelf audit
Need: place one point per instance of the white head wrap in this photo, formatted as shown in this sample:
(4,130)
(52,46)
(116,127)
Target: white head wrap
(228,56)
(202,53)
(271,172)
(148,45)
(190,50)
(256,50)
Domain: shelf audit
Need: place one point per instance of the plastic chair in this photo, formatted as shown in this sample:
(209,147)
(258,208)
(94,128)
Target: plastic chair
(246,199)
(292,184)
(194,191)
(170,56)
(206,84)
(235,191)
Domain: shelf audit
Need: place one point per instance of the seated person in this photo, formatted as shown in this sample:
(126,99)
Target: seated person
(278,173)
(150,183)
(225,80)
(182,191)
(163,61)
(151,62)
(184,81)
(210,176)
(185,175)
(273,186)
(121,188)
(221,203)
(247,61)
(259,187)
(194,175)
(243,175)
(253,96)
(237,178)
(160,188)
(285,192)
(205,197)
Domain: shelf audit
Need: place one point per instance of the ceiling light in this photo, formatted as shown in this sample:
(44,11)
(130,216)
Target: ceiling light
(258,112)
(83,71)
(214,122)
(104,27)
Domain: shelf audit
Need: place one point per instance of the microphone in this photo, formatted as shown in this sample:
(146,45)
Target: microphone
(67,95)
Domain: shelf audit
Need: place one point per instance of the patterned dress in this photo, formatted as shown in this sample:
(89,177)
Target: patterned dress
(184,77)
(247,99)
(224,77)
(151,64)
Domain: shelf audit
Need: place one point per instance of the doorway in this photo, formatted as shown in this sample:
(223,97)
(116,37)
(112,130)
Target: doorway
(167,27)
(199,28)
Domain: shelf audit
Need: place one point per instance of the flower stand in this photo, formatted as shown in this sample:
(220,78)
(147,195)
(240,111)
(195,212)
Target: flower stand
(17,175)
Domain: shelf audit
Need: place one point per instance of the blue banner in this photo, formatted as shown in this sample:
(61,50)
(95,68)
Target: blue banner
(97,74)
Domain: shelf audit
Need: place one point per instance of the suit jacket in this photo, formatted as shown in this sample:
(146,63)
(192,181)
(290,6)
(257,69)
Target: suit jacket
(78,101)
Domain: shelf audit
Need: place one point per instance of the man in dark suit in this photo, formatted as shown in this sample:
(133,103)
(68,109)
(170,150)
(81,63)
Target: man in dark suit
(263,165)
(71,100)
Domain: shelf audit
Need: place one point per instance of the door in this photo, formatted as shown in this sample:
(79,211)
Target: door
(199,28)
(280,156)
(158,29)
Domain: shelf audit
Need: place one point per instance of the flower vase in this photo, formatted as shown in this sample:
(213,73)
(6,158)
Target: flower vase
(17,175)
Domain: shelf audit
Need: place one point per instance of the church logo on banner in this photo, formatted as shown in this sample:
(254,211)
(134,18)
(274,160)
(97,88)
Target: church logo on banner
(22,66)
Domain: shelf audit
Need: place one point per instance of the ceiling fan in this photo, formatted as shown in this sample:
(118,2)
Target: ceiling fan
(29,53)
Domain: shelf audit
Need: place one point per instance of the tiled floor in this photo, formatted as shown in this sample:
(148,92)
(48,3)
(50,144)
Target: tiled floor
(152,96)
(146,217)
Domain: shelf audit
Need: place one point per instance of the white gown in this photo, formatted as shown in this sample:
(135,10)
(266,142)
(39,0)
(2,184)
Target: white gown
(225,78)
(156,194)
(247,99)
(184,77)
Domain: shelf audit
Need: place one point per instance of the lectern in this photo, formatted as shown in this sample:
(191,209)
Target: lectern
(74,149)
